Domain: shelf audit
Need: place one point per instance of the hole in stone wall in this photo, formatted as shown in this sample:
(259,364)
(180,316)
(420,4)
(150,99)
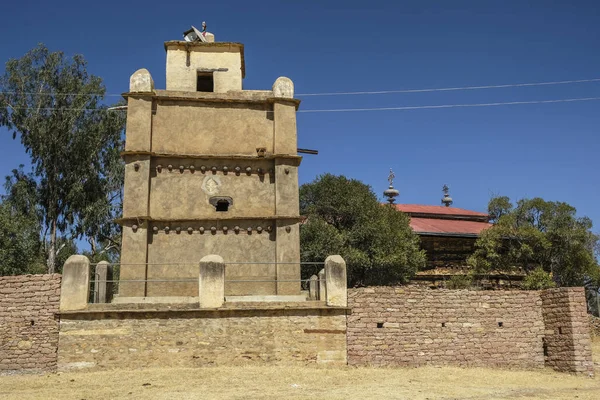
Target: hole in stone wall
(32,322)
(443,324)
(222,206)
(559,330)
(545,347)
(500,324)
(380,324)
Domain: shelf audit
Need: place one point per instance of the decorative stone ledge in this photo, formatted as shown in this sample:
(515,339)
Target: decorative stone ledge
(237,96)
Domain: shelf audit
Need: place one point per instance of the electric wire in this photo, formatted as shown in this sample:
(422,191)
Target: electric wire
(373,92)
(400,108)
(448,89)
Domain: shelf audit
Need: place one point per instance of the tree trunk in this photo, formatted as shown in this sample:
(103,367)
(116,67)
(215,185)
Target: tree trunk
(52,249)
(93,246)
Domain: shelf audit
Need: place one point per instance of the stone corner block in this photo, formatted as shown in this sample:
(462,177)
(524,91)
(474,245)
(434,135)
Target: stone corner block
(283,87)
(74,289)
(141,81)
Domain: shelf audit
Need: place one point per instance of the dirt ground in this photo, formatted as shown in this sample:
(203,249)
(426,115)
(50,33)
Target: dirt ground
(305,383)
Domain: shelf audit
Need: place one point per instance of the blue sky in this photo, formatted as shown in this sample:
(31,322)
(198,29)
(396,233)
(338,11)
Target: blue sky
(546,150)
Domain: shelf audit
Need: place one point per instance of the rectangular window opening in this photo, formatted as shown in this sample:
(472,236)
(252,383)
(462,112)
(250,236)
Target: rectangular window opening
(205,82)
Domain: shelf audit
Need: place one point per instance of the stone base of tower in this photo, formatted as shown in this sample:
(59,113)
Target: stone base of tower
(294,334)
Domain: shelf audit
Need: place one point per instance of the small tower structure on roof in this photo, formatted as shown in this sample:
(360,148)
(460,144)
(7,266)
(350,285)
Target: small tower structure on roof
(446,200)
(390,192)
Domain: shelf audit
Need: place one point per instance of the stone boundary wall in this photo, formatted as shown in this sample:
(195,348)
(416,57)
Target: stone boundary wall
(28,322)
(567,343)
(408,326)
(394,326)
(193,338)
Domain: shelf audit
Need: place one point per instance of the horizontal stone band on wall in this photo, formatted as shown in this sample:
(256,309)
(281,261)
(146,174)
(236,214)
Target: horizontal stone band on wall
(144,338)
(412,327)
(28,325)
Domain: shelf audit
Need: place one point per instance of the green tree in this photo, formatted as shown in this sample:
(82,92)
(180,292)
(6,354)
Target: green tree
(538,233)
(20,245)
(54,106)
(343,216)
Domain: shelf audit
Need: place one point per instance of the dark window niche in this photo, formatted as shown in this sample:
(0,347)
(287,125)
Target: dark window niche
(221,204)
(380,324)
(205,82)
(443,324)
(500,324)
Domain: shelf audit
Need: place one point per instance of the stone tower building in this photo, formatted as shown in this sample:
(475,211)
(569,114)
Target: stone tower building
(210,169)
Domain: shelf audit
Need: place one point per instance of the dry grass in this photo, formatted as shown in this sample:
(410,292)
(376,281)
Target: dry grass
(596,352)
(276,382)
(302,383)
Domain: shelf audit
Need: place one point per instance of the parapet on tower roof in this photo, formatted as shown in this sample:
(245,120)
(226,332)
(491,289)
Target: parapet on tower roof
(199,64)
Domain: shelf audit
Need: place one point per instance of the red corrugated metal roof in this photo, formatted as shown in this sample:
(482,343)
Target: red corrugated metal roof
(447,226)
(440,210)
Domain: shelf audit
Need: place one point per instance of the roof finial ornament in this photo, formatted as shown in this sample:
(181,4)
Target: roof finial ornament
(391,193)
(447,200)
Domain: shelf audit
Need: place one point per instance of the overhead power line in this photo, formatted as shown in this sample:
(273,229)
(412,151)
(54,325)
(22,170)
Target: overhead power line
(447,89)
(508,103)
(124,108)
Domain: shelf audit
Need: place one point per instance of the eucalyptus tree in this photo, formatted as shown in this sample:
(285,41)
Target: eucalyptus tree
(55,108)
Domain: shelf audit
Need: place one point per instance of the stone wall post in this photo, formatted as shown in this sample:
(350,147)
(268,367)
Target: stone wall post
(322,286)
(211,283)
(75,286)
(567,344)
(104,273)
(313,288)
(335,281)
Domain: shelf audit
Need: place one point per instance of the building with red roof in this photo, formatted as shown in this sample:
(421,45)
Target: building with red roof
(448,234)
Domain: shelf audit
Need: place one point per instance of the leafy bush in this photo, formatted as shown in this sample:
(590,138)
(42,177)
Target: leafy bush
(538,279)
(460,282)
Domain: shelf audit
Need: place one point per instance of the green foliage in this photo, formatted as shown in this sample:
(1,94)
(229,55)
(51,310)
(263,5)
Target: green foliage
(54,106)
(538,233)
(499,206)
(344,217)
(538,279)
(460,282)
(20,245)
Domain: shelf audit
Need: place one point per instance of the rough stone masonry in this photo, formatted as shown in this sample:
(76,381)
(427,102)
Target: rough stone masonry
(407,326)
(393,326)
(29,322)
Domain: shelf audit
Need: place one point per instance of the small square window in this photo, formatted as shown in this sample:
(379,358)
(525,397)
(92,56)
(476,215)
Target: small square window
(205,82)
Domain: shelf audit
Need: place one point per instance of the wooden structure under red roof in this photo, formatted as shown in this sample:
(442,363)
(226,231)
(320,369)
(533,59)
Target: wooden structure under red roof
(448,236)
